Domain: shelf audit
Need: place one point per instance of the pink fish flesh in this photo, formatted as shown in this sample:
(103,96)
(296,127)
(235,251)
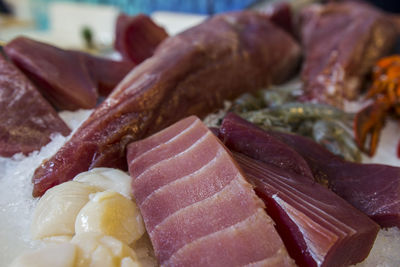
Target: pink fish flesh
(197,206)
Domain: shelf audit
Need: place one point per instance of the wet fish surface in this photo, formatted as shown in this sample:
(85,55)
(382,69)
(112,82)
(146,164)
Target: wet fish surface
(27,120)
(190,73)
(318,227)
(197,207)
(342,41)
(68,79)
(371,188)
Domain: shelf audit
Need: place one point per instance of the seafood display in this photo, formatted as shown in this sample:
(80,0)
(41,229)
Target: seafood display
(385,91)
(278,184)
(190,73)
(137,37)
(68,79)
(26,119)
(301,209)
(198,208)
(341,42)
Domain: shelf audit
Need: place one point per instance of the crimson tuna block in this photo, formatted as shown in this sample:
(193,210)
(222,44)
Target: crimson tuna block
(26,119)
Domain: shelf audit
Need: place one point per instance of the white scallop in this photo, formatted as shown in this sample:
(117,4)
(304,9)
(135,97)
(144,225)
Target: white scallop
(110,213)
(95,249)
(107,179)
(56,211)
(55,255)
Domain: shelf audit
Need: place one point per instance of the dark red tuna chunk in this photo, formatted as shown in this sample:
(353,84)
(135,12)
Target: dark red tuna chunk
(342,42)
(26,119)
(61,76)
(317,226)
(68,79)
(137,37)
(371,188)
(106,73)
(191,73)
(243,136)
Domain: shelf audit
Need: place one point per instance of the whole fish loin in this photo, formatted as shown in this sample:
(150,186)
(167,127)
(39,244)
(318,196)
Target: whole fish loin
(203,214)
(191,73)
(342,42)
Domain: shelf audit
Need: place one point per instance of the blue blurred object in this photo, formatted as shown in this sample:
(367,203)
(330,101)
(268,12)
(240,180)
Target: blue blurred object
(131,7)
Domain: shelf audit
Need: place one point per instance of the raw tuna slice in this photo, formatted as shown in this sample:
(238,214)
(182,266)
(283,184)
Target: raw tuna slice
(26,119)
(371,188)
(68,79)
(106,73)
(62,77)
(137,37)
(342,42)
(191,73)
(242,136)
(197,206)
(318,227)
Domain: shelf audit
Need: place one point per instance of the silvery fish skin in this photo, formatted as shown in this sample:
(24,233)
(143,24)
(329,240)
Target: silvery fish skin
(190,73)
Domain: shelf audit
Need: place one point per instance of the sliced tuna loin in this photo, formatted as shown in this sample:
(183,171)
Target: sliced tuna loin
(317,226)
(197,207)
(26,119)
(242,136)
(190,74)
(68,79)
(371,188)
(137,37)
(342,42)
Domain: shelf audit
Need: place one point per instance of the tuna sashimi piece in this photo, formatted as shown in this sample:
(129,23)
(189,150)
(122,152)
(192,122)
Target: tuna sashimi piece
(203,214)
(342,42)
(26,119)
(240,135)
(137,37)
(62,77)
(68,79)
(371,188)
(190,74)
(317,226)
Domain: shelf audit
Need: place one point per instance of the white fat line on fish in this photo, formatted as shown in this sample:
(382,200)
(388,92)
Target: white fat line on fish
(203,168)
(166,142)
(236,226)
(180,154)
(237,179)
(300,197)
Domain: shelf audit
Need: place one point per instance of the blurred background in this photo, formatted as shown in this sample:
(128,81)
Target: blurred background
(61,22)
